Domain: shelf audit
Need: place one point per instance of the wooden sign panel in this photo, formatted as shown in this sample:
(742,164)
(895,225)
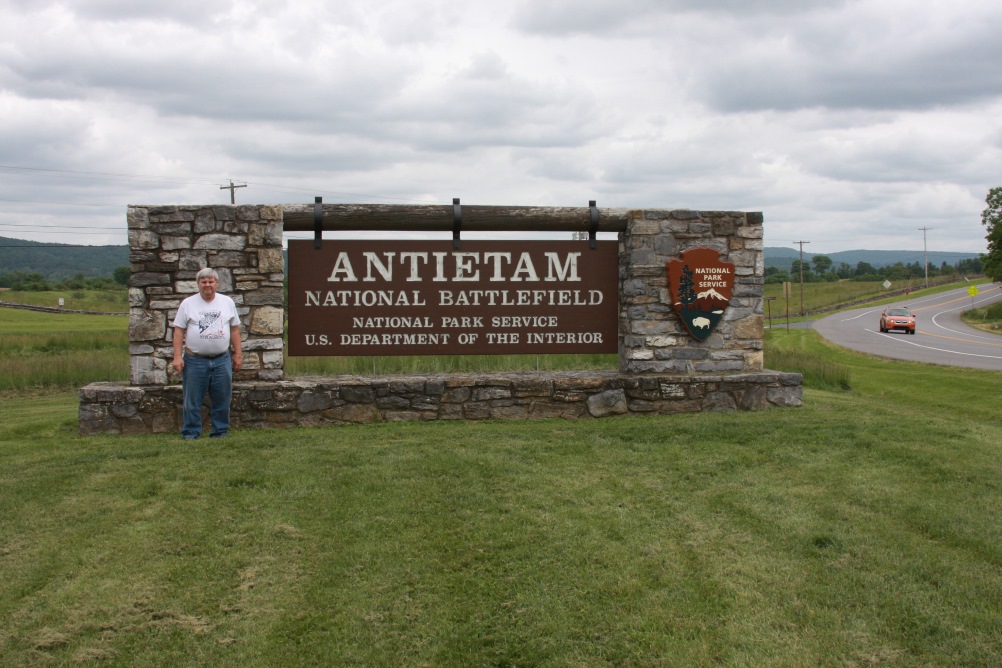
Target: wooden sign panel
(365,297)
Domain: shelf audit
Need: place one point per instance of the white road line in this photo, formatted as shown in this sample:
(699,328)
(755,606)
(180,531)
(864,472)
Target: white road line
(940,350)
(989,337)
(858,316)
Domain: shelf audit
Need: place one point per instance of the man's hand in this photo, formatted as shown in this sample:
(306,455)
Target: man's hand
(238,360)
(178,363)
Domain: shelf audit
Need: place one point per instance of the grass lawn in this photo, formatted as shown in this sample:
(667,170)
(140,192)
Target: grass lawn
(861,529)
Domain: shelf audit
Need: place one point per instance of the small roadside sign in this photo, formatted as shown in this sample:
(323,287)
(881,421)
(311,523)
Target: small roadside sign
(973,291)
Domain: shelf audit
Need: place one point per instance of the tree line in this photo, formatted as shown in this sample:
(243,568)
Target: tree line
(991,218)
(821,268)
(36,282)
(58,261)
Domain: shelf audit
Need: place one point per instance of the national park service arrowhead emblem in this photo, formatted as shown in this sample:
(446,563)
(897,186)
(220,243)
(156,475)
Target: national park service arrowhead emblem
(701,287)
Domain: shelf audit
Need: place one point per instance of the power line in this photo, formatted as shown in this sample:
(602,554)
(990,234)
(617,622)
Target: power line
(145,178)
(334,193)
(62,246)
(181,180)
(185,180)
(62,227)
(30,201)
(68,230)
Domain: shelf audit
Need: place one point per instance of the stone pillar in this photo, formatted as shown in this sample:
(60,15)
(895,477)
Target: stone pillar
(169,244)
(653,339)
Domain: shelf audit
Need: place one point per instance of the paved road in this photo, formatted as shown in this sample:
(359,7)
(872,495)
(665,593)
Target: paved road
(941,337)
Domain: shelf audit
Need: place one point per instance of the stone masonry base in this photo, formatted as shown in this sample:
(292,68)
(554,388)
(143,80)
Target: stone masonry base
(112,408)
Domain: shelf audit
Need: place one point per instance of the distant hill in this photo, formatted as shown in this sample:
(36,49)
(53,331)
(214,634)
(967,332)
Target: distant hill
(59,261)
(783,258)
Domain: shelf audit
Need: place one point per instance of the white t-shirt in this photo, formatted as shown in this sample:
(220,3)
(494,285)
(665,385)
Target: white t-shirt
(207,324)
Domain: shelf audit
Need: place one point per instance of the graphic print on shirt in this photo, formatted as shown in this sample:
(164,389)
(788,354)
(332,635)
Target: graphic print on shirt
(210,325)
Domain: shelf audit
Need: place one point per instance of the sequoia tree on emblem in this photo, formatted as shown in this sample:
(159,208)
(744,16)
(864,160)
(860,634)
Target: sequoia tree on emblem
(701,286)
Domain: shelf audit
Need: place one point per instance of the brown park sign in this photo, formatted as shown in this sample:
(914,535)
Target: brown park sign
(701,287)
(365,297)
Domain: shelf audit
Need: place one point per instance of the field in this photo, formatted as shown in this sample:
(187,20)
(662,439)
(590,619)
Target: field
(819,295)
(44,350)
(861,529)
(114,301)
(825,295)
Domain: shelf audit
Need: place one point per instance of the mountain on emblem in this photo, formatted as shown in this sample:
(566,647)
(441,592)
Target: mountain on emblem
(712,294)
(701,286)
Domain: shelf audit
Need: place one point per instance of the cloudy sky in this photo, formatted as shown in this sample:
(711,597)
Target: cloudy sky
(848,124)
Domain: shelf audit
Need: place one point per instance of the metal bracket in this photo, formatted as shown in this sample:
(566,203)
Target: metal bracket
(457,223)
(593,226)
(318,222)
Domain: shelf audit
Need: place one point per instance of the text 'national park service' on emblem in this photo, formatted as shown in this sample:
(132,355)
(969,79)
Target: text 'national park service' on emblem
(701,286)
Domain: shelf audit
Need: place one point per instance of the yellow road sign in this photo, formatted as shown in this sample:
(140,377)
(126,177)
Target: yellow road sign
(973,291)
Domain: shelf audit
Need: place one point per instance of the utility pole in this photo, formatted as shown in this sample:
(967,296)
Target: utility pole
(801,274)
(925,256)
(232,188)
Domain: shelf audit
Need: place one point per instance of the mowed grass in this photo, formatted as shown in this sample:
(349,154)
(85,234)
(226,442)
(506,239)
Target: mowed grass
(861,529)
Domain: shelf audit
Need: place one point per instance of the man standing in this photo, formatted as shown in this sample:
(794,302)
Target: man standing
(205,326)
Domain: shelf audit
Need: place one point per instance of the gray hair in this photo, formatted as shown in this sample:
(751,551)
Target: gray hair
(207,272)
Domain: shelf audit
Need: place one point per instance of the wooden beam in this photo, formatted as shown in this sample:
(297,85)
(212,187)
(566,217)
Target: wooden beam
(434,218)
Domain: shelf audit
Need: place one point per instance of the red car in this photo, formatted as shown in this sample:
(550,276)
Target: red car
(897,318)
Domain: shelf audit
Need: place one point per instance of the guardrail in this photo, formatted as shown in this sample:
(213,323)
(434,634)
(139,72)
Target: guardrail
(56,309)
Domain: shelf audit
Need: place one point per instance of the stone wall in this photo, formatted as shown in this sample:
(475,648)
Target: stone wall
(653,340)
(169,244)
(109,408)
(662,369)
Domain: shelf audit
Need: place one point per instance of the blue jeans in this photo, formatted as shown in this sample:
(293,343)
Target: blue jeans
(201,376)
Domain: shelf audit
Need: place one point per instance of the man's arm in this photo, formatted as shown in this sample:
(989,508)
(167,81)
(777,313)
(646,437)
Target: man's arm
(238,354)
(178,352)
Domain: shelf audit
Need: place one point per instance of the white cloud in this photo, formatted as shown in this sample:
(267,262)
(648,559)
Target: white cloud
(852,123)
